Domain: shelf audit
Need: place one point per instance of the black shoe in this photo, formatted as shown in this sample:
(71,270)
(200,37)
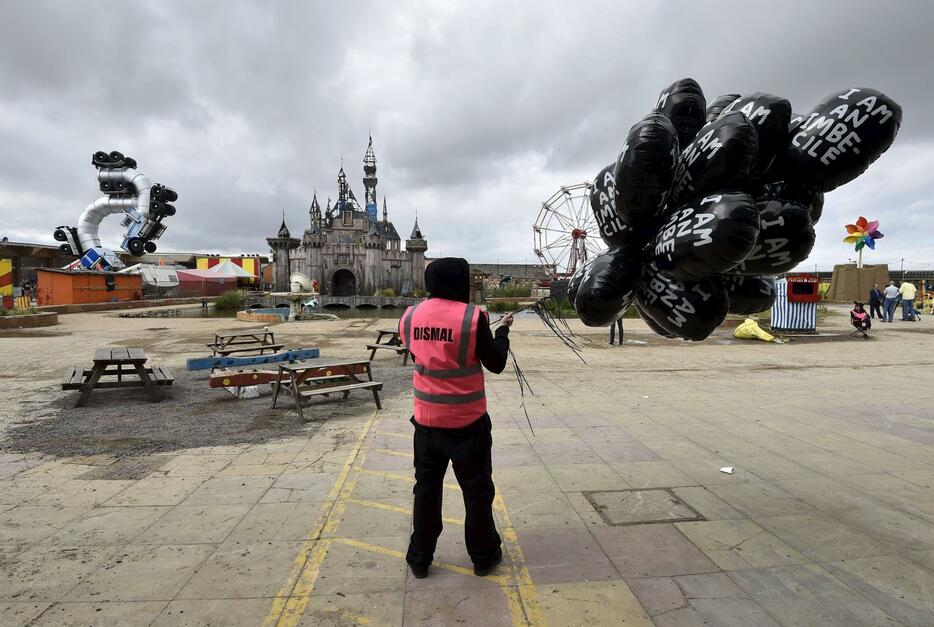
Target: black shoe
(420,572)
(483,571)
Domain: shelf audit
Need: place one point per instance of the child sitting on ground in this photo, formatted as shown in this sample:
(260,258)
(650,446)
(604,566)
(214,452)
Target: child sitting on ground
(859,318)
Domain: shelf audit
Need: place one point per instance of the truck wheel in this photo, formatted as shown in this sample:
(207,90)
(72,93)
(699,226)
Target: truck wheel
(150,247)
(135,246)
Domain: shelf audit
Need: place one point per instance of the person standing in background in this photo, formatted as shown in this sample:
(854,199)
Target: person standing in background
(613,326)
(875,301)
(890,299)
(907,292)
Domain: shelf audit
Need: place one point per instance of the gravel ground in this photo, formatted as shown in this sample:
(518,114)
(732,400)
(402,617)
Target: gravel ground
(122,422)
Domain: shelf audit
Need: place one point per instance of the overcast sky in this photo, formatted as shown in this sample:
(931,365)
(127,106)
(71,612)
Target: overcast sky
(479,111)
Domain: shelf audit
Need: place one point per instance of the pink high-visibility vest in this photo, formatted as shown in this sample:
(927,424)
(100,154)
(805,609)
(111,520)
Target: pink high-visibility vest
(448,377)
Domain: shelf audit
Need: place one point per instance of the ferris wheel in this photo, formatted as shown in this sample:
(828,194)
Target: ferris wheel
(565,234)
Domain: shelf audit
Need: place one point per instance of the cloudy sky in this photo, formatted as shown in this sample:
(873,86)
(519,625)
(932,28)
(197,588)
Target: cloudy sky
(479,110)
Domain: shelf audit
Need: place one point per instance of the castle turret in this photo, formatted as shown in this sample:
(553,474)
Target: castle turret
(281,245)
(417,245)
(314,212)
(370,180)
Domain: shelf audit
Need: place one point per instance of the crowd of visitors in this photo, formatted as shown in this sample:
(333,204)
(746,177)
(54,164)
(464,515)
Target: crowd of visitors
(884,302)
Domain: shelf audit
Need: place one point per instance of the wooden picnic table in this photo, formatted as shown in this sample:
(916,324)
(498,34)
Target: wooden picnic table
(121,363)
(244,341)
(323,379)
(394,343)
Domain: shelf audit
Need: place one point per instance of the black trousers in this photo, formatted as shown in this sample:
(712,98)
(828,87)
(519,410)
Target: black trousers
(875,309)
(468,449)
(613,326)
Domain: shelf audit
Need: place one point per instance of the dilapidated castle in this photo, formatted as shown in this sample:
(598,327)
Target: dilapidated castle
(348,249)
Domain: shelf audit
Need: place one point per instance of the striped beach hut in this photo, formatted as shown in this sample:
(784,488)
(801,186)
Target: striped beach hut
(792,316)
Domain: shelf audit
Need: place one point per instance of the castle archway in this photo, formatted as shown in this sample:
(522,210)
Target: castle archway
(343,283)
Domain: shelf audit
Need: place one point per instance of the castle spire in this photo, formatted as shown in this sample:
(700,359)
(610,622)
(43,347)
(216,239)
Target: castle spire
(385,211)
(370,180)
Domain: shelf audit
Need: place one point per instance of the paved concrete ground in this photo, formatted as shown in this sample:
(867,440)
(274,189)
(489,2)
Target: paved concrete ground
(828,518)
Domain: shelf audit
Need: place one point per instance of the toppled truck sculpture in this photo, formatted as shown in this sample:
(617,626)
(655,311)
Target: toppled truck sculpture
(129,192)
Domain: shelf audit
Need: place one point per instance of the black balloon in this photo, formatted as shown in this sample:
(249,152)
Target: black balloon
(651,323)
(840,137)
(770,115)
(720,157)
(607,286)
(574,284)
(749,294)
(688,309)
(708,236)
(684,104)
(645,168)
(715,108)
(809,197)
(613,229)
(786,238)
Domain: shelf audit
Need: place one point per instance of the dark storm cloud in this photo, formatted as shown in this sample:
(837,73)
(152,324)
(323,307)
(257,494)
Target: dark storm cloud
(479,110)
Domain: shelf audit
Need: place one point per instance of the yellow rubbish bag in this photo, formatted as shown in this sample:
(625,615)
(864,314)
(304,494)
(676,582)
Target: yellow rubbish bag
(749,329)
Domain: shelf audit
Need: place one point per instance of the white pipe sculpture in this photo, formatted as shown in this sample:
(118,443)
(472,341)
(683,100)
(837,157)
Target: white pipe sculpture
(129,192)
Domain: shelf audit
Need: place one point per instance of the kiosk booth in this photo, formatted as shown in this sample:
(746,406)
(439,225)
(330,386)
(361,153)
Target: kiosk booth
(795,307)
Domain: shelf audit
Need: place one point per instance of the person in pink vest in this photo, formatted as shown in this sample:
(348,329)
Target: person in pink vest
(450,342)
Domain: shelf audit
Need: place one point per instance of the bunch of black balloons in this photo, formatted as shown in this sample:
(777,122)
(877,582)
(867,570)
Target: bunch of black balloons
(706,204)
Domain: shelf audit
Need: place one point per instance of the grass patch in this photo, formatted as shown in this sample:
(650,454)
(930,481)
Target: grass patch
(229,301)
(18,312)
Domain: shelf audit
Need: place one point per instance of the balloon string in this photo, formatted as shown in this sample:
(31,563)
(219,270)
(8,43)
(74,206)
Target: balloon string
(523,384)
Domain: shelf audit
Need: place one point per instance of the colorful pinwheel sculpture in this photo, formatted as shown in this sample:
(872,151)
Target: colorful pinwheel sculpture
(863,233)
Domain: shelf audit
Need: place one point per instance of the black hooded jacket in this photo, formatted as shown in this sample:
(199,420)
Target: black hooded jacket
(449,278)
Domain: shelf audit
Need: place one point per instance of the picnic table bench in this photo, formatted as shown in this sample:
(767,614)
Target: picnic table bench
(121,363)
(394,343)
(255,341)
(308,379)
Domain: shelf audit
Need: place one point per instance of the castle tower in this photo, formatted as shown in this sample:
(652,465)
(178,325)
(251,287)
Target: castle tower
(281,245)
(343,190)
(314,212)
(370,180)
(417,245)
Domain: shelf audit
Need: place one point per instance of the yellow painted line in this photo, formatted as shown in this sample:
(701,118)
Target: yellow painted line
(313,550)
(454,568)
(523,602)
(399,510)
(395,476)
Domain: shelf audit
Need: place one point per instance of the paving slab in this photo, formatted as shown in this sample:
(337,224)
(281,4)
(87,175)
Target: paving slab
(142,573)
(592,603)
(156,491)
(21,613)
(651,550)
(375,608)
(706,503)
(194,524)
(102,614)
(279,521)
(736,544)
(565,556)
(584,477)
(230,490)
(239,569)
(214,612)
(29,524)
(822,538)
(651,474)
(354,570)
(809,595)
(898,586)
(107,526)
(46,573)
(452,606)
